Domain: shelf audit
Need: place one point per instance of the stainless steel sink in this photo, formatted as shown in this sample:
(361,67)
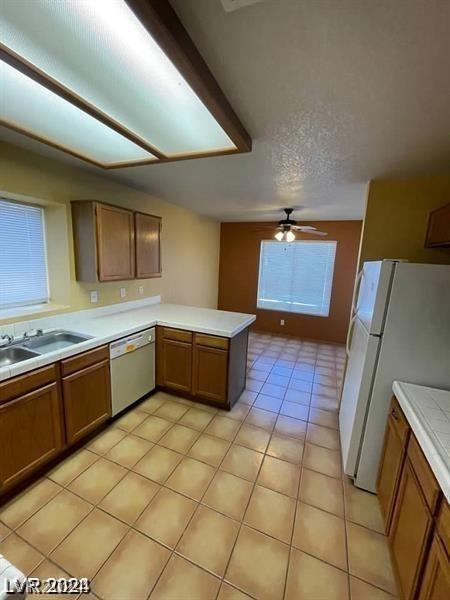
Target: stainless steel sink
(15,354)
(54,340)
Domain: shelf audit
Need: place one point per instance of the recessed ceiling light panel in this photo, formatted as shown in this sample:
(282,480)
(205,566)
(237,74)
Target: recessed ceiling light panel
(100,51)
(33,109)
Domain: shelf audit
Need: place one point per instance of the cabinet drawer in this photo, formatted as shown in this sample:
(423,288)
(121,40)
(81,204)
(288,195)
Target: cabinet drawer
(443,525)
(398,419)
(428,484)
(211,341)
(28,382)
(178,335)
(86,359)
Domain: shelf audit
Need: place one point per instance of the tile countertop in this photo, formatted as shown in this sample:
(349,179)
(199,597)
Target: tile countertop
(110,323)
(428,413)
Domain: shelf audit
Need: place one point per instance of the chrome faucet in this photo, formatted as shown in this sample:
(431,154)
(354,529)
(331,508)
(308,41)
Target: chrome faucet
(9,338)
(33,333)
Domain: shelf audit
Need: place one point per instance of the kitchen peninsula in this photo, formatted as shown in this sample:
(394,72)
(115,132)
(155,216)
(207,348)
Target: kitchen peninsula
(65,394)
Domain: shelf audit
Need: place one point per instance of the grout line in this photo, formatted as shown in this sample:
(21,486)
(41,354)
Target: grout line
(272,432)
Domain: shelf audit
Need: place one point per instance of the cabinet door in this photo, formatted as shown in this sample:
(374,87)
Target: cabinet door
(148,245)
(436,580)
(115,241)
(176,365)
(390,470)
(30,433)
(210,372)
(438,232)
(410,531)
(87,400)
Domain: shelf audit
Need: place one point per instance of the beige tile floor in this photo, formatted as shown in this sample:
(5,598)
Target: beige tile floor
(180,501)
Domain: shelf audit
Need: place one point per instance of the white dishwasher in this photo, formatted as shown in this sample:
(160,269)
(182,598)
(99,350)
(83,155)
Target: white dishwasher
(132,368)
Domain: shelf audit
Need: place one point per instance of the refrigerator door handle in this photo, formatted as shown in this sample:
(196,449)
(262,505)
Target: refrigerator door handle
(356,292)
(349,334)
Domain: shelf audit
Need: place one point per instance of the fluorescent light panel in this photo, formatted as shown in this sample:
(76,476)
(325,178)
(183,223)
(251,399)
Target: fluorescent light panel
(99,50)
(33,108)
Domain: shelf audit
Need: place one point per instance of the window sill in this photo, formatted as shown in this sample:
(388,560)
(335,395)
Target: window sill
(35,310)
(291,312)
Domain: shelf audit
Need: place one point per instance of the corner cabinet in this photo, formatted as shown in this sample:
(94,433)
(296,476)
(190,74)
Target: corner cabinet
(417,516)
(114,243)
(206,368)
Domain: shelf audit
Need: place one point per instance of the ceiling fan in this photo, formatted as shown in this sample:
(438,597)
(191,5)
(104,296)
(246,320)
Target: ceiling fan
(287,227)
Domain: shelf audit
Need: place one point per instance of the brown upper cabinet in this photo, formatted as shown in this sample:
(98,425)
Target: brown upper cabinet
(148,245)
(113,243)
(438,231)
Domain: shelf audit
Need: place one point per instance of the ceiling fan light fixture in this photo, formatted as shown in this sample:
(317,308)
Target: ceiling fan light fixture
(279,236)
(290,236)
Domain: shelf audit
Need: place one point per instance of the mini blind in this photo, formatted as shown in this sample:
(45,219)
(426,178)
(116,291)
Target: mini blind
(23,261)
(296,276)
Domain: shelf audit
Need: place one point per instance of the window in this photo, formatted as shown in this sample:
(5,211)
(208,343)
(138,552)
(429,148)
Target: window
(296,277)
(23,261)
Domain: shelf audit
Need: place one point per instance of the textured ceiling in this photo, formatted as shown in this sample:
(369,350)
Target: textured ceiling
(333,92)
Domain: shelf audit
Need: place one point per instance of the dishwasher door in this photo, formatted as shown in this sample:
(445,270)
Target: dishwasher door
(132,376)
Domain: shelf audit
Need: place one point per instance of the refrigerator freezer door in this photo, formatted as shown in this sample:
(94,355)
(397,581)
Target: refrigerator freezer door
(355,393)
(374,294)
(415,348)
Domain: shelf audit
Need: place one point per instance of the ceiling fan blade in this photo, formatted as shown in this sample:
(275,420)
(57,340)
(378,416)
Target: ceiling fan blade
(316,232)
(303,227)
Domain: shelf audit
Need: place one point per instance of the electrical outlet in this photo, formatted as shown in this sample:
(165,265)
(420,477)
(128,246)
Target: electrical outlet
(141,289)
(123,292)
(94,297)
(281,321)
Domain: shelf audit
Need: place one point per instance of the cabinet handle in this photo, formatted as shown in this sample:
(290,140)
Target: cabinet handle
(394,414)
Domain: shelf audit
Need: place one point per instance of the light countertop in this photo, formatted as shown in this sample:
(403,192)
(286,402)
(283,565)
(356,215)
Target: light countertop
(428,413)
(110,323)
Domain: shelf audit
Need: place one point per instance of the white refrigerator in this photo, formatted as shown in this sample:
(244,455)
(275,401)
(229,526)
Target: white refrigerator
(400,330)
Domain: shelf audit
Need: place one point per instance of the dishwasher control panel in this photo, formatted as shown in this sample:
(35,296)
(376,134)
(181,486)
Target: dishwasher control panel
(132,343)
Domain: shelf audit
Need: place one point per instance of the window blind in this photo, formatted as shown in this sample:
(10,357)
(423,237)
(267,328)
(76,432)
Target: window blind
(23,261)
(296,276)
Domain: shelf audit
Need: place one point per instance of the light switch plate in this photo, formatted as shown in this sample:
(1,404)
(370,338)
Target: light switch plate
(123,292)
(94,297)
(141,289)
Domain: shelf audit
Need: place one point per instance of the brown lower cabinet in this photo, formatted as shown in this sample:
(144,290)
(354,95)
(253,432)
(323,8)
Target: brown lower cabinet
(42,413)
(208,368)
(31,433)
(416,513)
(87,400)
(175,359)
(436,579)
(392,459)
(410,531)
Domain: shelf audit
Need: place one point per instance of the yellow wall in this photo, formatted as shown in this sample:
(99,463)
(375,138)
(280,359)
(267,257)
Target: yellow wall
(396,219)
(190,243)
